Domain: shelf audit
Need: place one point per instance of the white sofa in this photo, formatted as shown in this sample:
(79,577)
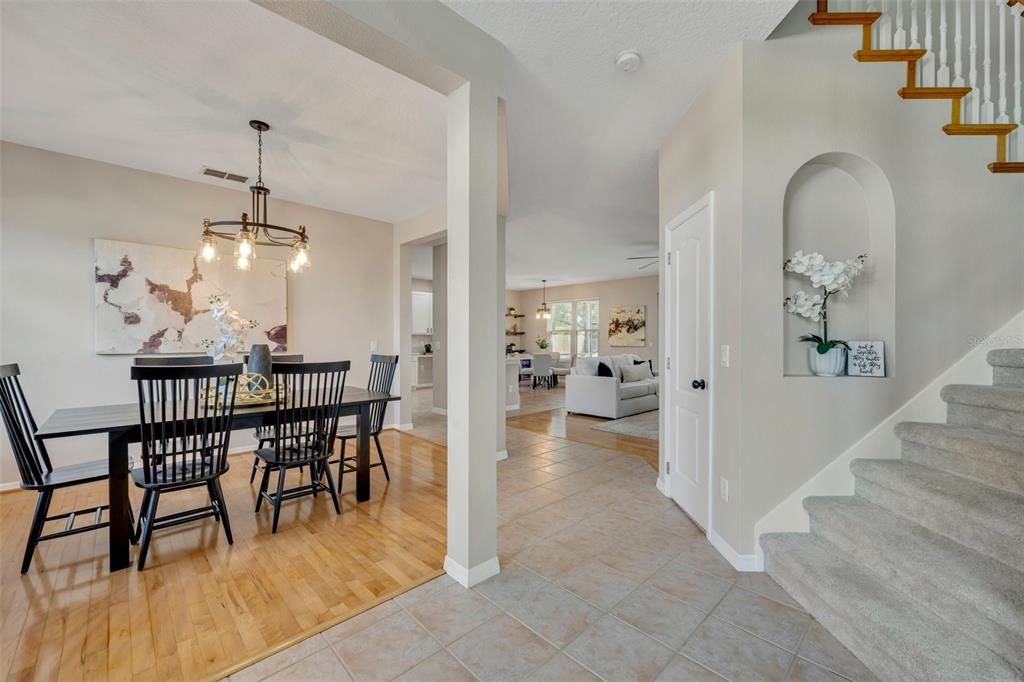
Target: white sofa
(609,397)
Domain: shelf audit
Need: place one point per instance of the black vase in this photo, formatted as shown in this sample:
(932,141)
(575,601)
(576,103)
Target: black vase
(261,362)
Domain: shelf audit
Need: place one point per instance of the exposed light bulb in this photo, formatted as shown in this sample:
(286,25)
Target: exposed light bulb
(242,263)
(244,248)
(300,256)
(208,249)
(538,314)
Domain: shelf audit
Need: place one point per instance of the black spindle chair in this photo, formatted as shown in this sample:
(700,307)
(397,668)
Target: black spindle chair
(172,360)
(36,471)
(186,414)
(382,374)
(306,420)
(265,434)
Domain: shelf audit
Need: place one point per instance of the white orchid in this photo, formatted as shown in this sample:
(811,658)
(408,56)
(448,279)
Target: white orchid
(833,277)
(232,328)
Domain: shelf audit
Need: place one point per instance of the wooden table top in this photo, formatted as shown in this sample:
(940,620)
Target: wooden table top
(80,421)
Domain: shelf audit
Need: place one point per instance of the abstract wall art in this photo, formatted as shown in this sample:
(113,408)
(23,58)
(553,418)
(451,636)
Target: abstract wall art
(155,299)
(628,326)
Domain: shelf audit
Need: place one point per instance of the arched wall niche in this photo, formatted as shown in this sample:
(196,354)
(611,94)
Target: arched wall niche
(841,205)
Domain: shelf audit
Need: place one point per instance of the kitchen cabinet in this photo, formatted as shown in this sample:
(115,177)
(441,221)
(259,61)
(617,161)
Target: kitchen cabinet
(422,312)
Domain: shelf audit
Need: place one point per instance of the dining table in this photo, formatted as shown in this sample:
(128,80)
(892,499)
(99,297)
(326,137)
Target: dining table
(122,426)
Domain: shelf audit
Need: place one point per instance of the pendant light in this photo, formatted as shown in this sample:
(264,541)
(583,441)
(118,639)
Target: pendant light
(544,311)
(256,231)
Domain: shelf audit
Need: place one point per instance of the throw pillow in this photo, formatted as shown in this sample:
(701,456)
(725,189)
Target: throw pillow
(587,366)
(637,373)
(604,370)
(649,363)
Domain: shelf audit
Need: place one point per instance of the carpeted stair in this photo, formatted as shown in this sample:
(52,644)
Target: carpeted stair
(919,573)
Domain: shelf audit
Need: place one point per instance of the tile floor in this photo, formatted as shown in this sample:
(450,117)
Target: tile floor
(602,578)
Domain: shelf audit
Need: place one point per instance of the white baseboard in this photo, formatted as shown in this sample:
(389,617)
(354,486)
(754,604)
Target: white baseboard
(660,485)
(510,408)
(473,576)
(835,478)
(10,485)
(741,562)
(439,410)
(502,454)
(401,427)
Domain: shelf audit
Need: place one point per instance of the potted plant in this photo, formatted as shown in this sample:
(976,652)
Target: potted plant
(826,357)
(542,343)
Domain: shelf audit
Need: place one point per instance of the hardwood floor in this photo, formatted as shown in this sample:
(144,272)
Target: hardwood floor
(578,428)
(203,607)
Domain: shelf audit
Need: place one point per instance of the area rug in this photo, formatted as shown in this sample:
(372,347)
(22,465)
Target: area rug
(644,425)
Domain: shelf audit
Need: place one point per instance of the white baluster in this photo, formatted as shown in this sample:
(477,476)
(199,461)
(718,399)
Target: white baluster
(899,39)
(927,62)
(942,76)
(974,105)
(958,41)
(1003,114)
(884,27)
(914,45)
(988,109)
(1018,105)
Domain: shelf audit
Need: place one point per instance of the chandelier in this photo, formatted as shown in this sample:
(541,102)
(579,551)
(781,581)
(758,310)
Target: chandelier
(544,311)
(255,231)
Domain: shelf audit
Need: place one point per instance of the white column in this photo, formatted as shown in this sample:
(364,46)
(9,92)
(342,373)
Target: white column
(500,314)
(472,334)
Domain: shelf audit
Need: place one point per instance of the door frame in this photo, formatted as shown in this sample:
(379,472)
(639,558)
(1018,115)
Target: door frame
(707,201)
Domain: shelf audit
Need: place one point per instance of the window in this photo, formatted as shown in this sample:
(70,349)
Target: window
(573,327)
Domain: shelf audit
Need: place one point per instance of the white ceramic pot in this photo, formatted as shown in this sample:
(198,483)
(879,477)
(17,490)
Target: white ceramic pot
(831,364)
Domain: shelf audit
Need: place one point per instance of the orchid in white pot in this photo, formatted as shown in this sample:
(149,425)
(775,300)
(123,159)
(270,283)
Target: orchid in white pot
(827,357)
(232,329)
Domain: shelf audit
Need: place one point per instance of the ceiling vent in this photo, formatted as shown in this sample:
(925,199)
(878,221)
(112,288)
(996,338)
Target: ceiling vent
(223,175)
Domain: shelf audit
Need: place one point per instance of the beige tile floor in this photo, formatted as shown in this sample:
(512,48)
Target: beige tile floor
(434,427)
(602,578)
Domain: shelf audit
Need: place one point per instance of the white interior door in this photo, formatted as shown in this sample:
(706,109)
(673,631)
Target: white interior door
(687,377)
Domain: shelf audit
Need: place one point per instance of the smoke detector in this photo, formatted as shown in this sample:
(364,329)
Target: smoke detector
(628,61)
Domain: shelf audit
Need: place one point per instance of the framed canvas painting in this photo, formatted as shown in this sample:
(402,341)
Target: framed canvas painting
(866,359)
(155,299)
(628,326)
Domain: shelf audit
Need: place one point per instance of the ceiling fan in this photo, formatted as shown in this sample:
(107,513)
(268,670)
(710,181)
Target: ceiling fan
(653,260)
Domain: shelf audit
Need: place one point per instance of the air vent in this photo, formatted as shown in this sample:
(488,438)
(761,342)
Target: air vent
(223,175)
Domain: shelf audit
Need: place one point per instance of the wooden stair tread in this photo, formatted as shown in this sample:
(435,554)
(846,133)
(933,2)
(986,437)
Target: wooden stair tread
(889,55)
(979,128)
(1007,167)
(844,18)
(933,93)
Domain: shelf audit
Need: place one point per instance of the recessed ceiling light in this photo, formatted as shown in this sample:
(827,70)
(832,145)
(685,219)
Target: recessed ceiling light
(628,61)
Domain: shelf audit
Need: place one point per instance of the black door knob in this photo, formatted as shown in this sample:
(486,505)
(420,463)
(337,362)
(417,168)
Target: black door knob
(698,384)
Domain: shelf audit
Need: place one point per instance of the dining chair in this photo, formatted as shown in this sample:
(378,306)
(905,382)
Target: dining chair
(305,423)
(171,360)
(382,375)
(541,369)
(185,415)
(38,474)
(264,435)
(561,366)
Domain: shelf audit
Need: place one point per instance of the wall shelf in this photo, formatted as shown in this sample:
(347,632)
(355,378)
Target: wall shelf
(516,315)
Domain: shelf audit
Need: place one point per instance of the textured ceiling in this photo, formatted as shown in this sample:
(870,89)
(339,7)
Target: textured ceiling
(169,87)
(584,136)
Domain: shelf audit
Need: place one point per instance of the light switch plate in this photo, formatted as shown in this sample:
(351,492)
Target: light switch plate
(723,484)
(373,346)
(725,356)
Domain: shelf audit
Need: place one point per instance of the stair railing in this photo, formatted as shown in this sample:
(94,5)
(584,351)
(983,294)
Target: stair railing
(982,50)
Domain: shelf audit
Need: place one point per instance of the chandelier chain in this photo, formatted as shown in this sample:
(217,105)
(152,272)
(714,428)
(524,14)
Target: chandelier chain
(259,158)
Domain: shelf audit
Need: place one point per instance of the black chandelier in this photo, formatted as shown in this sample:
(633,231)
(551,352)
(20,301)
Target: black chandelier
(256,231)
(544,310)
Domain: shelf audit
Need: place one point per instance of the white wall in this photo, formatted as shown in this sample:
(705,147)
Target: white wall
(54,205)
(959,246)
(610,293)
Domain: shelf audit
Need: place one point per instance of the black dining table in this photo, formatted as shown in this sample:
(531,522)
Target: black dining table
(121,423)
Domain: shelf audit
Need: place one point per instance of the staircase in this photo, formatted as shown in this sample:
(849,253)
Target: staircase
(937,72)
(919,573)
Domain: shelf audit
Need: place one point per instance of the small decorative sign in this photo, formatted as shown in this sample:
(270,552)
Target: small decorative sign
(866,359)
